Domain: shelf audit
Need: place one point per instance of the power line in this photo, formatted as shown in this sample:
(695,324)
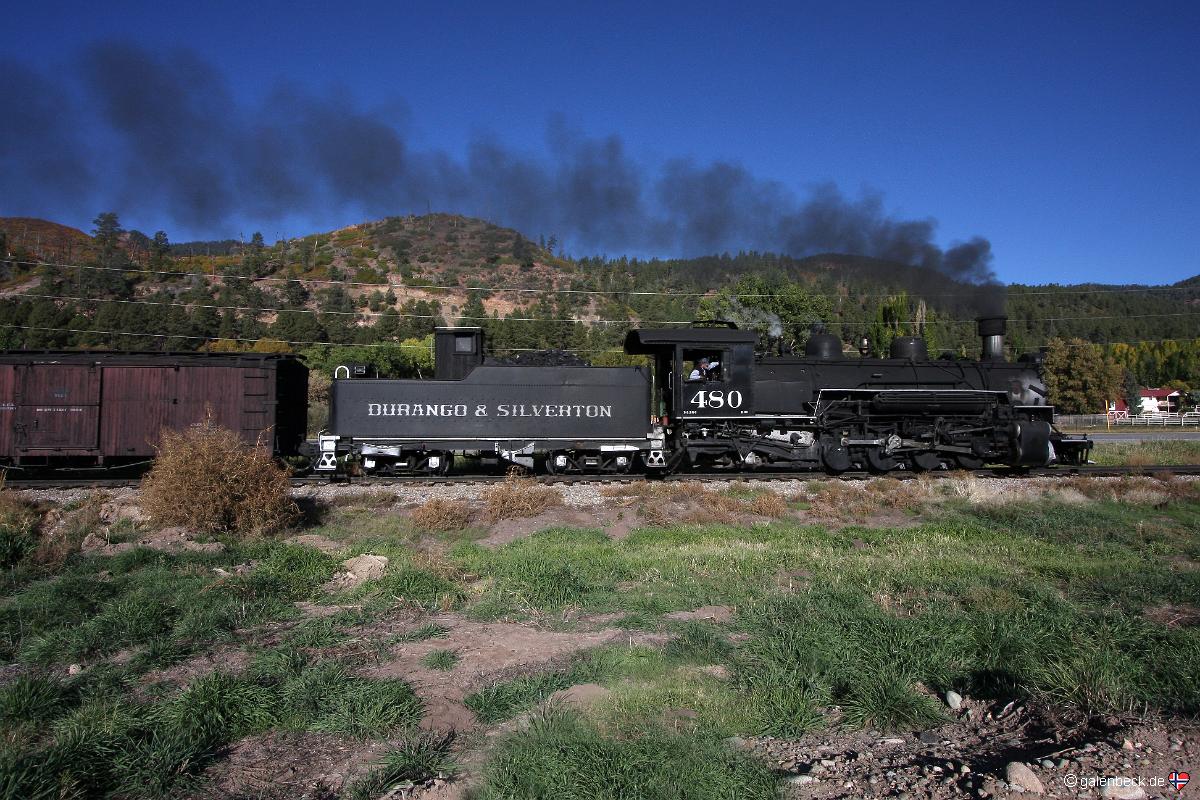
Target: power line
(193,337)
(579,320)
(429,347)
(633,293)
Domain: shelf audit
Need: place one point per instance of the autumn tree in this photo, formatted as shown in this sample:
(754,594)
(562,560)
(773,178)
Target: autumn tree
(1079,379)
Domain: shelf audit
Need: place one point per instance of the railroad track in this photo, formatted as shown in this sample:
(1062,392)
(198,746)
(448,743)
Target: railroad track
(1089,470)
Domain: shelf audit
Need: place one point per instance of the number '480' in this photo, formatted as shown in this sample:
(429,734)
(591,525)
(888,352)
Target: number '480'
(717,399)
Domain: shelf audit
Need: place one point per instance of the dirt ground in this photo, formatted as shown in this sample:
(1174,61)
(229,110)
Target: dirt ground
(985,750)
(487,652)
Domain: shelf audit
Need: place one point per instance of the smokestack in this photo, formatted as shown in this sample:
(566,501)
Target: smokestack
(992,330)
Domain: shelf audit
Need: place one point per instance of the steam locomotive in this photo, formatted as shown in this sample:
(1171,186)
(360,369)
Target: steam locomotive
(747,409)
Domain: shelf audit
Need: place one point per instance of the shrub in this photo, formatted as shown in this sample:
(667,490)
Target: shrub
(442,515)
(206,478)
(519,497)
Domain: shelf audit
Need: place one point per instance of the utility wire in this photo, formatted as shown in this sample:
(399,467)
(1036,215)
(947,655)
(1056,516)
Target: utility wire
(281,341)
(516,289)
(428,347)
(356,313)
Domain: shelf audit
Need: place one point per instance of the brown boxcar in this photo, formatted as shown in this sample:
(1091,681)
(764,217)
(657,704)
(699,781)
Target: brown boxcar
(107,408)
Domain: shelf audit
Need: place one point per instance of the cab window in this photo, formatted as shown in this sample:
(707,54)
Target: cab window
(703,366)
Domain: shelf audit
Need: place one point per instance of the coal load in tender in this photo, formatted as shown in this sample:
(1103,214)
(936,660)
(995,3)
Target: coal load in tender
(541,358)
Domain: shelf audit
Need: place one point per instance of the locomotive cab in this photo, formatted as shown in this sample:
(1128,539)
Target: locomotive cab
(700,373)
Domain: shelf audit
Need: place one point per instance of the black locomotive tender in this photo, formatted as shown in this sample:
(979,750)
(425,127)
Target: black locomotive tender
(820,411)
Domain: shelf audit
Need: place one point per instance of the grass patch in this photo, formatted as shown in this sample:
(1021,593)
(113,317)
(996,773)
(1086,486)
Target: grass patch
(564,757)
(506,699)
(1147,452)
(415,760)
(441,659)
(98,606)
(1002,600)
(430,631)
(98,742)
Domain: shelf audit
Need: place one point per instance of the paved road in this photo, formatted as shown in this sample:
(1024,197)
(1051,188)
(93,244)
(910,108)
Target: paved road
(1143,436)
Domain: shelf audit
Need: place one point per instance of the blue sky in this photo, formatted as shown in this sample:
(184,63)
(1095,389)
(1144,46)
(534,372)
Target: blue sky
(1067,134)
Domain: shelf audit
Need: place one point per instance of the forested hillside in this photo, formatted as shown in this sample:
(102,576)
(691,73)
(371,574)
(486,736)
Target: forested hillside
(383,286)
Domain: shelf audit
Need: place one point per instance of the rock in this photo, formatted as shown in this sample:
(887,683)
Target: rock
(1174,747)
(893,740)
(1047,764)
(358,570)
(1126,745)
(1020,776)
(709,613)
(927,737)
(803,780)
(1122,789)
(954,700)
(736,742)
(117,510)
(1063,763)
(581,695)
(828,764)
(74,669)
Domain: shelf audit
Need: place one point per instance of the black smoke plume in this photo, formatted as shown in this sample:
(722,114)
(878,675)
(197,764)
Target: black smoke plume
(165,137)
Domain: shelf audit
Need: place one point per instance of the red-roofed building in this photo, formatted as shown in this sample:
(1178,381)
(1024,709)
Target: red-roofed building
(1154,401)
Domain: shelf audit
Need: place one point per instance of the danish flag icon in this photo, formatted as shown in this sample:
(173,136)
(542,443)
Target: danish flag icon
(1179,780)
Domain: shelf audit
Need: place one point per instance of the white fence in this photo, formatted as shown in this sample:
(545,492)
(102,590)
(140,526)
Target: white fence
(1123,418)
(1115,419)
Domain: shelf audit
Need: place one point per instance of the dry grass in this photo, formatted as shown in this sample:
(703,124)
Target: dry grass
(769,504)
(519,497)
(844,500)
(443,515)
(63,533)
(18,529)
(207,479)
(1138,490)
(691,501)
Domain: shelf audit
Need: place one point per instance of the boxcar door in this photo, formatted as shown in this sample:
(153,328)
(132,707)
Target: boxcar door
(137,406)
(58,409)
(714,381)
(203,391)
